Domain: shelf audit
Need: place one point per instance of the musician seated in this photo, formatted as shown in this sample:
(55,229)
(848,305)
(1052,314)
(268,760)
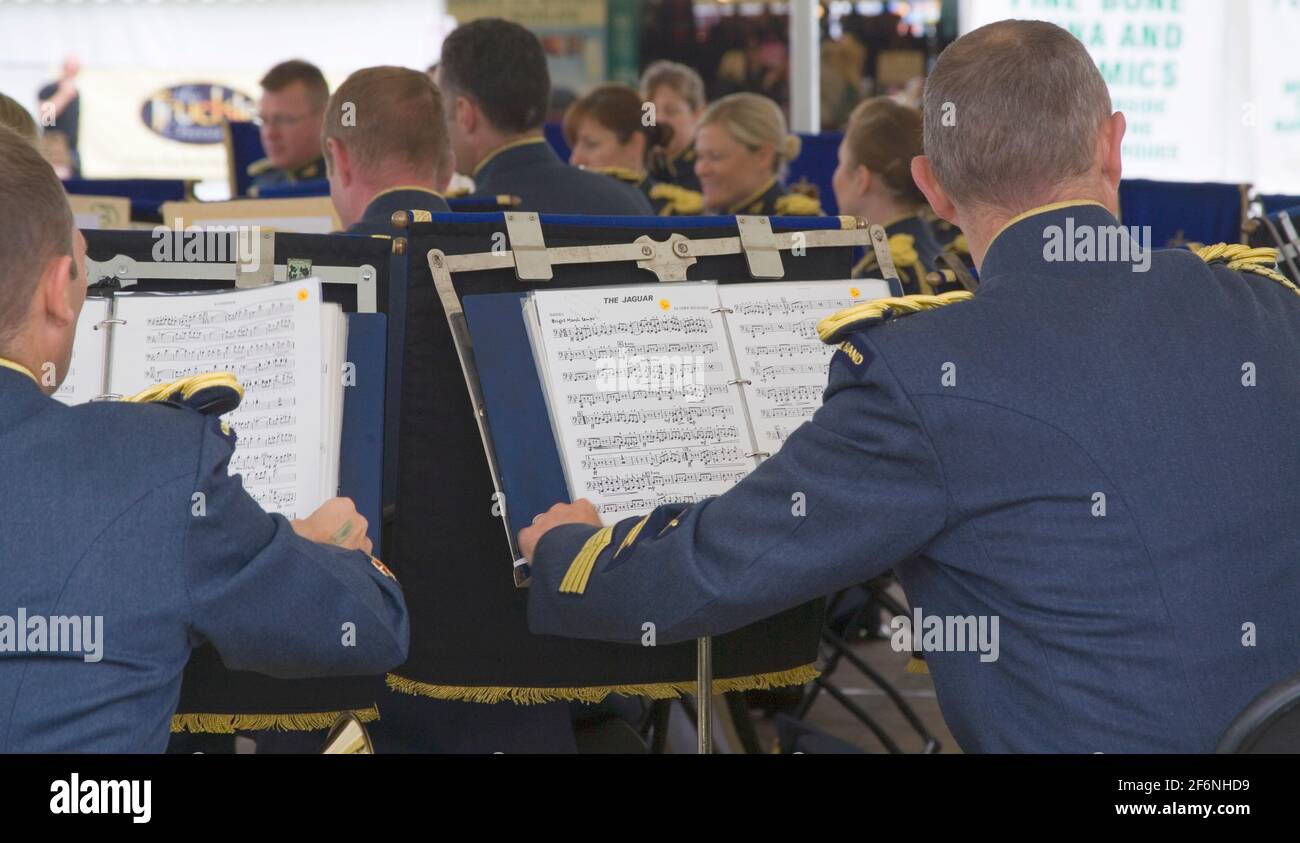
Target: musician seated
(742,149)
(127,542)
(386,148)
(606,133)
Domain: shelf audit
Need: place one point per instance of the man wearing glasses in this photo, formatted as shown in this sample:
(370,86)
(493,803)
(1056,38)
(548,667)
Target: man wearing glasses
(294,94)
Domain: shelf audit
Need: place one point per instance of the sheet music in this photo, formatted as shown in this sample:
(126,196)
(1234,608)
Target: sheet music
(773,328)
(85,379)
(637,382)
(270,338)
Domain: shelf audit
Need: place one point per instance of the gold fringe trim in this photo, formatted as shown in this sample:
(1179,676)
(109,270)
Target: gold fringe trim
(596,693)
(228,724)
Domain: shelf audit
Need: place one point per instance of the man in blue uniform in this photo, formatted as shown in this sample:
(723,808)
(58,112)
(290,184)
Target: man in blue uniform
(494,79)
(1084,475)
(394,156)
(124,531)
(293,102)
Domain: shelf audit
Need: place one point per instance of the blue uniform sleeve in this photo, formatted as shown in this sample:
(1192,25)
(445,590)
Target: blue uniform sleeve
(269,600)
(851,493)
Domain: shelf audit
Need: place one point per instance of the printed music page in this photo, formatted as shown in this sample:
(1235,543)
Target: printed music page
(773,329)
(85,380)
(270,338)
(638,383)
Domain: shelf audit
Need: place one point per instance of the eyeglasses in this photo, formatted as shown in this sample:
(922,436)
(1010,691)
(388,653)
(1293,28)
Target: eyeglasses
(281,121)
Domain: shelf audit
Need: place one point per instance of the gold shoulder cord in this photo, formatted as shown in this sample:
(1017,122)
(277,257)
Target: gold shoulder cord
(1260,260)
(830,328)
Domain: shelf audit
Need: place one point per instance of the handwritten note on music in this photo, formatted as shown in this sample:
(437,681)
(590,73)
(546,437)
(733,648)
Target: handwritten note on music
(270,338)
(641,396)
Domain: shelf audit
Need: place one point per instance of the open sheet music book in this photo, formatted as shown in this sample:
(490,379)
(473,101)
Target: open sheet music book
(286,347)
(662,393)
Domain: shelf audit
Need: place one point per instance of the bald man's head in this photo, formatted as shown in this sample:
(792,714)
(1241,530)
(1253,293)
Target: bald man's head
(1013,113)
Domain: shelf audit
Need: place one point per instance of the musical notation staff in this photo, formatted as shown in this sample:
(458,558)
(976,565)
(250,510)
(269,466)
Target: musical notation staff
(584,330)
(694,392)
(224,351)
(649,481)
(657,436)
(790,394)
(210,313)
(657,457)
(805,329)
(648,369)
(644,504)
(631,349)
(688,414)
(784,307)
(772,372)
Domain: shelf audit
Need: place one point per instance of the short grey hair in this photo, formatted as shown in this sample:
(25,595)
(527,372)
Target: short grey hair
(1012,111)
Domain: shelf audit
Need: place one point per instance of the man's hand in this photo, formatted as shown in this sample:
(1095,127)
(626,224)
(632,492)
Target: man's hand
(336,522)
(581,511)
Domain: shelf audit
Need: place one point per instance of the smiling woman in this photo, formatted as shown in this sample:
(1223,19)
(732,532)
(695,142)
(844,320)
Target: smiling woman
(743,147)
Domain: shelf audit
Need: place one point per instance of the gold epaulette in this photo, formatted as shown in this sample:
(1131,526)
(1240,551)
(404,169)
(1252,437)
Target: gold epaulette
(620,173)
(260,166)
(836,325)
(1256,260)
(213,394)
(682,201)
(795,205)
(902,249)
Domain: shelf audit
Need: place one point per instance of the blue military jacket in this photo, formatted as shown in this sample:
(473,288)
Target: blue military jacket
(126,513)
(265,175)
(1105,460)
(531,170)
(378,215)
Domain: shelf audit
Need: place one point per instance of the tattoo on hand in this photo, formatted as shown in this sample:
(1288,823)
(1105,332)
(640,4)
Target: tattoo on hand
(342,533)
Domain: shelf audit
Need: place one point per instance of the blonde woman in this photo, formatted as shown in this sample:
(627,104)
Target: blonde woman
(742,149)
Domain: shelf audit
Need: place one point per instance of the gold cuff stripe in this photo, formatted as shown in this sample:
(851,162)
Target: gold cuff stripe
(575,580)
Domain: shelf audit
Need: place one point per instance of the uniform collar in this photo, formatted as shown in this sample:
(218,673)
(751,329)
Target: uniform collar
(757,195)
(1018,245)
(515,144)
(19,368)
(383,205)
